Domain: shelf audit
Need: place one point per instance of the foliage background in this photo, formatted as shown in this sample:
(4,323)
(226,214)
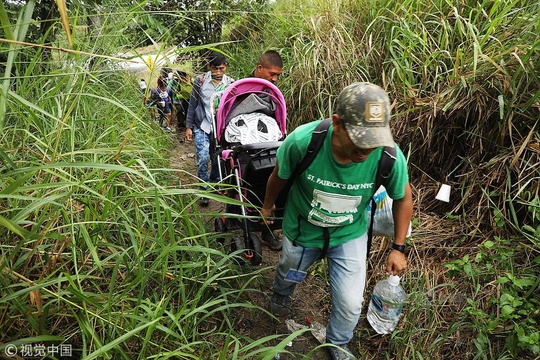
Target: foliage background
(102,248)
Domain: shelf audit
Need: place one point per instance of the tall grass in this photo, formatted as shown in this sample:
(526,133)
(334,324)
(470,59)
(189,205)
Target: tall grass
(102,247)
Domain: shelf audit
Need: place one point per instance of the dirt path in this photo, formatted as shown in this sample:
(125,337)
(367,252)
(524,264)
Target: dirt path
(310,302)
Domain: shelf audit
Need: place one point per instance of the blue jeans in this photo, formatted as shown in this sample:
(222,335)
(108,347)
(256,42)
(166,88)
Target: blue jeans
(204,151)
(347,270)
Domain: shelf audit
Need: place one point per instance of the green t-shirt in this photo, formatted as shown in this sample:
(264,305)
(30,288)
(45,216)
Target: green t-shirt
(180,90)
(329,194)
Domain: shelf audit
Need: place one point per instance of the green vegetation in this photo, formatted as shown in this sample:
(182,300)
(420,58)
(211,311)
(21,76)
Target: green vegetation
(102,248)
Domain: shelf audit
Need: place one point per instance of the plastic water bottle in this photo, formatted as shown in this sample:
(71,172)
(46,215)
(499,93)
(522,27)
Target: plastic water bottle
(386,304)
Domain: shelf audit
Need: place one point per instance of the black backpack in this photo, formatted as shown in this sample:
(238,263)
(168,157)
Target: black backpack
(386,162)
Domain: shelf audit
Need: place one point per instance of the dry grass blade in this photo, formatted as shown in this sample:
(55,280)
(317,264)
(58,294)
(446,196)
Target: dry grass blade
(36,300)
(523,146)
(62,8)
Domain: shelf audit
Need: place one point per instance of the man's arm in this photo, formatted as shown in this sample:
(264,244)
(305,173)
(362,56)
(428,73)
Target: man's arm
(273,187)
(190,116)
(402,211)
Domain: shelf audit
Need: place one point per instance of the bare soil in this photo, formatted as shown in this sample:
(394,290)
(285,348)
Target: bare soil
(310,302)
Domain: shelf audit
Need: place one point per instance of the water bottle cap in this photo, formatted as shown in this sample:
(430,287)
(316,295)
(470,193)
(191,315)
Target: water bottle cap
(393,280)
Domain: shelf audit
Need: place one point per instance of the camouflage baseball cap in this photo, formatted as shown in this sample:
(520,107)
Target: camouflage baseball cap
(365,110)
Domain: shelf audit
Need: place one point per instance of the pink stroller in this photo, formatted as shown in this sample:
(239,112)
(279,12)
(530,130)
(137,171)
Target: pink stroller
(250,124)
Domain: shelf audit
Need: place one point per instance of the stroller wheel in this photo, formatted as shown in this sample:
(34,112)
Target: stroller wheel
(220,227)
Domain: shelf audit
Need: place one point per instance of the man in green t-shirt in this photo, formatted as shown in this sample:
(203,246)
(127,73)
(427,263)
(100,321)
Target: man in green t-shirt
(325,207)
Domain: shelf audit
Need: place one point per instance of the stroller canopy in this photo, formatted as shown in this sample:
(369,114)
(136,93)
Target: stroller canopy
(239,91)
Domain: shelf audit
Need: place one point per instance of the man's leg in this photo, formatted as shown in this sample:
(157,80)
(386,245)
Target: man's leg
(347,267)
(294,261)
(202,152)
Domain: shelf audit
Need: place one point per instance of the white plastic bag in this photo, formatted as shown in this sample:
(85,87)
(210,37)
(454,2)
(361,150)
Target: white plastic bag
(317,329)
(383,222)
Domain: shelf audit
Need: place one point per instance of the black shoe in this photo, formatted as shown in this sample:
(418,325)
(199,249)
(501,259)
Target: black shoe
(203,202)
(279,304)
(269,238)
(341,352)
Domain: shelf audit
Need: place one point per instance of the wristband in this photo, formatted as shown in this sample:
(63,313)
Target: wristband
(400,248)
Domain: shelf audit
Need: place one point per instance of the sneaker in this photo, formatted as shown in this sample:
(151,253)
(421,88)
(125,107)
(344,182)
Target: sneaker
(203,202)
(341,352)
(269,238)
(279,304)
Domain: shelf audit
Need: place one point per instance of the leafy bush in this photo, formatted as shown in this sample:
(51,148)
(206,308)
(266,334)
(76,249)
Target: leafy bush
(504,281)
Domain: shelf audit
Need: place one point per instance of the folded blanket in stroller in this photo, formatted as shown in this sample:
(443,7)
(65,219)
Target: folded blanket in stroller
(252,128)
(253,103)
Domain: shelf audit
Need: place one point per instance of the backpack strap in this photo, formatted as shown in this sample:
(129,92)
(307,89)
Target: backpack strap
(386,162)
(317,140)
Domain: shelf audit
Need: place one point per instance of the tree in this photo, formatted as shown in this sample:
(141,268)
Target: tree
(195,22)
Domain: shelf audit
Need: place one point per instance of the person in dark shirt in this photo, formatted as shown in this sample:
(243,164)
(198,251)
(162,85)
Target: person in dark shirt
(162,98)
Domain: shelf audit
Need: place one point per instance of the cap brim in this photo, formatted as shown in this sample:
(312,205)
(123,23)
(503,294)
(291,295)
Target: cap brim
(370,137)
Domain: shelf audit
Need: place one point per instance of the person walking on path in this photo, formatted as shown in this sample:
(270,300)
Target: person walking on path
(269,67)
(199,120)
(325,209)
(143,86)
(162,98)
